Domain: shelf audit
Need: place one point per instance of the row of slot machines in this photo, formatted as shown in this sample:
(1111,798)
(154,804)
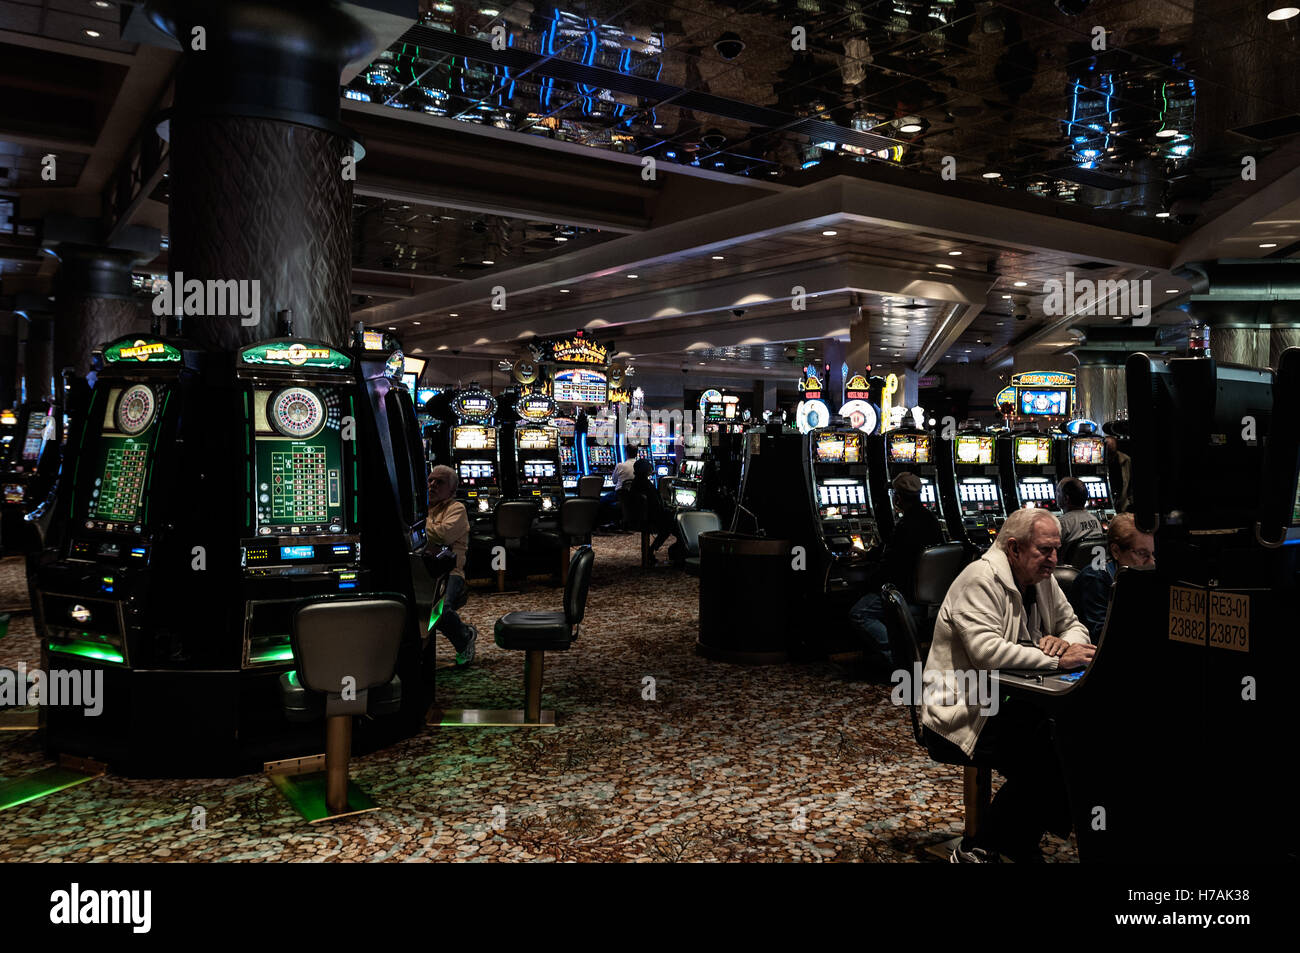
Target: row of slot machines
(26,432)
(204,496)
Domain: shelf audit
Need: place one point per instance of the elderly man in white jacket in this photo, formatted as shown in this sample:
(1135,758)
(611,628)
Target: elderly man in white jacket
(1005,611)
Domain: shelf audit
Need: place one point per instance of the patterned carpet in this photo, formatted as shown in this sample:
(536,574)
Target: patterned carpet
(725,763)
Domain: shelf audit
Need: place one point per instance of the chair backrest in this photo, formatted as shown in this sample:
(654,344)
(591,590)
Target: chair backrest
(513,519)
(903,646)
(1065,576)
(336,638)
(575,590)
(1081,553)
(691,523)
(578,516)
(589,487)
(636,510)
(936,570)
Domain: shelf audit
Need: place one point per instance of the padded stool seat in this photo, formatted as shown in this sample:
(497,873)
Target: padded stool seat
(534,630)
(301,705)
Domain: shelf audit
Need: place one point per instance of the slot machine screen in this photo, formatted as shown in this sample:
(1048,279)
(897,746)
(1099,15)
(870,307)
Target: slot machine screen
(839,448)
(536,438)
(1036,451)
(684,496)
(35,438)
(564,425)
(975,449)
(599,456)
(1044,403)
(978,496)
(909,448)
(579,386)
(474,437)
(539,470)
(298,459)
(694,469)
(928,496)
(567,457)
(475,472)
(1088,450)
(659,440)
(121,469)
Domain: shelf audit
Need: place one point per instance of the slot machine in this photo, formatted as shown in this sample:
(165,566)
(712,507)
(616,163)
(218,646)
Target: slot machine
(126,590)
(536,448)
(1088,464)
(662,452)
(977,486)
(473,452)
(904,450)
(837,468)
(27,431)
(688,487)
(1028,465)
(569,472)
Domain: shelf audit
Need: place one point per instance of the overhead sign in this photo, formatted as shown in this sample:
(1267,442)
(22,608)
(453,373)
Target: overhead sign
(295,354)
(577,350)
(1042,379)
(1006,395)
(474,404)
(143,350)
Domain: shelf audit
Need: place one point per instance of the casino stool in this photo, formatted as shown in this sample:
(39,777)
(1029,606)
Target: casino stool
(590,487)
(511,523)
(534,633)
(577,520)
(690,525)
(936,569)
(337,638)
(636,517)
(977,780)
(1081,553)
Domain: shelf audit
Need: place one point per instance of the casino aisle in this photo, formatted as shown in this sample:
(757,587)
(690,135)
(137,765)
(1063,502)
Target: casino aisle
(727,763)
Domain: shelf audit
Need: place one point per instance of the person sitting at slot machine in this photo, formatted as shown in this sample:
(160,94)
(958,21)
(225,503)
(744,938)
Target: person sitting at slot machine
(1120,466)
(1127,546)
(624,471)
(1005,611)
(447,524)
(657,515)
(1077,522)
(916,530)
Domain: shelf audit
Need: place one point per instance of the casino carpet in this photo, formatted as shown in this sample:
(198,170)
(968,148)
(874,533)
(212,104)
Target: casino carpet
(725,763)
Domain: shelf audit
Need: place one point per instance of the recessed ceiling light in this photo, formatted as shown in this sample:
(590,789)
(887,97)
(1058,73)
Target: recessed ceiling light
(102,4)
(442,347)
(943,265)
(488,261)
(93,34)
(1268,244)
(634,276)
(1166,133)
(718,257)
(701,363)
(954,253)
(1171,291)
(1283,13)
(992,175)
(392,329)
(1162,214)
(967,350)
(1000,323)
(454,315)
(1020,284)
(659,125)
(910,127)
(561,238)
(564,291)
(1006,297)
(830,233)
(416,323)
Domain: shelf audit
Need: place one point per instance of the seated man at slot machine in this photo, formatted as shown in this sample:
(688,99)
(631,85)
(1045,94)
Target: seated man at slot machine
(1127,546)
(916,530)
(1077,521)
(447,524)
(1005,611)
(657,515)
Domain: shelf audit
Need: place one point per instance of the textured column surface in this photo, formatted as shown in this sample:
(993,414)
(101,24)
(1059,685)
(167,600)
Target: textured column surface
(1235,344)
(38,365)
(1281,338)
(1100,393)
(263,200)
(84,323)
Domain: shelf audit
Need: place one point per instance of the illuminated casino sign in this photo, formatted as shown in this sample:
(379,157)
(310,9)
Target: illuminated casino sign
(143,350)
(372,340)
(1039,394)
(710,396)
(536,407)
(858,388)
(811,387)
(577,350)
(295,354)
(1042,379)
(474,404)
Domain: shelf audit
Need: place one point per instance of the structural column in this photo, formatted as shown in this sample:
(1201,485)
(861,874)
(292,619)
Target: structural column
(1100,390)
(261,175)
(8,358)
(38,357)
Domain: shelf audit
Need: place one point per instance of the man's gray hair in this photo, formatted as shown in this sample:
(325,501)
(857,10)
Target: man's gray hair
(448,472)
(1020,525)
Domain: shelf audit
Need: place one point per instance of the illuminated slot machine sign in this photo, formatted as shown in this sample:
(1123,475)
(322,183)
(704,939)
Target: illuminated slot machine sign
(1087,451)
(1039,394)
(1034,451)
(537,438)
(908,448)
(660,444)
(537,408)
(838,446)
(474,405)
(471,437)
(580,385)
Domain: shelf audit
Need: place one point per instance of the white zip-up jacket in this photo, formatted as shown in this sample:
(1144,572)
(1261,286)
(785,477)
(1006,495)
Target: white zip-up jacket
(979,626)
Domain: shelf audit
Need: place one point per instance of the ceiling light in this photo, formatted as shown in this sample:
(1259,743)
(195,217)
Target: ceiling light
(416,323)
(634,276)
(830,233)
(561,238)
(564,291)
(454,315)
(948,267)
(1171,291)
(102,4)
(992,175)
(910,127)
(718,257)
(392,329)
(1162,214)
(659,125)
(1020,284)
(701,363)
(954,253)
(1268,244)
(1283,13)
(442,347)
(93,34)
(488,261)
(1006,297)
(1166,133)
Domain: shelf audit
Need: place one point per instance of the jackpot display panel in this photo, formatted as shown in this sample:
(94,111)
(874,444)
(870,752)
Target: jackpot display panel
(1029,469)
(1088,464)
(977,485)
(904,450)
